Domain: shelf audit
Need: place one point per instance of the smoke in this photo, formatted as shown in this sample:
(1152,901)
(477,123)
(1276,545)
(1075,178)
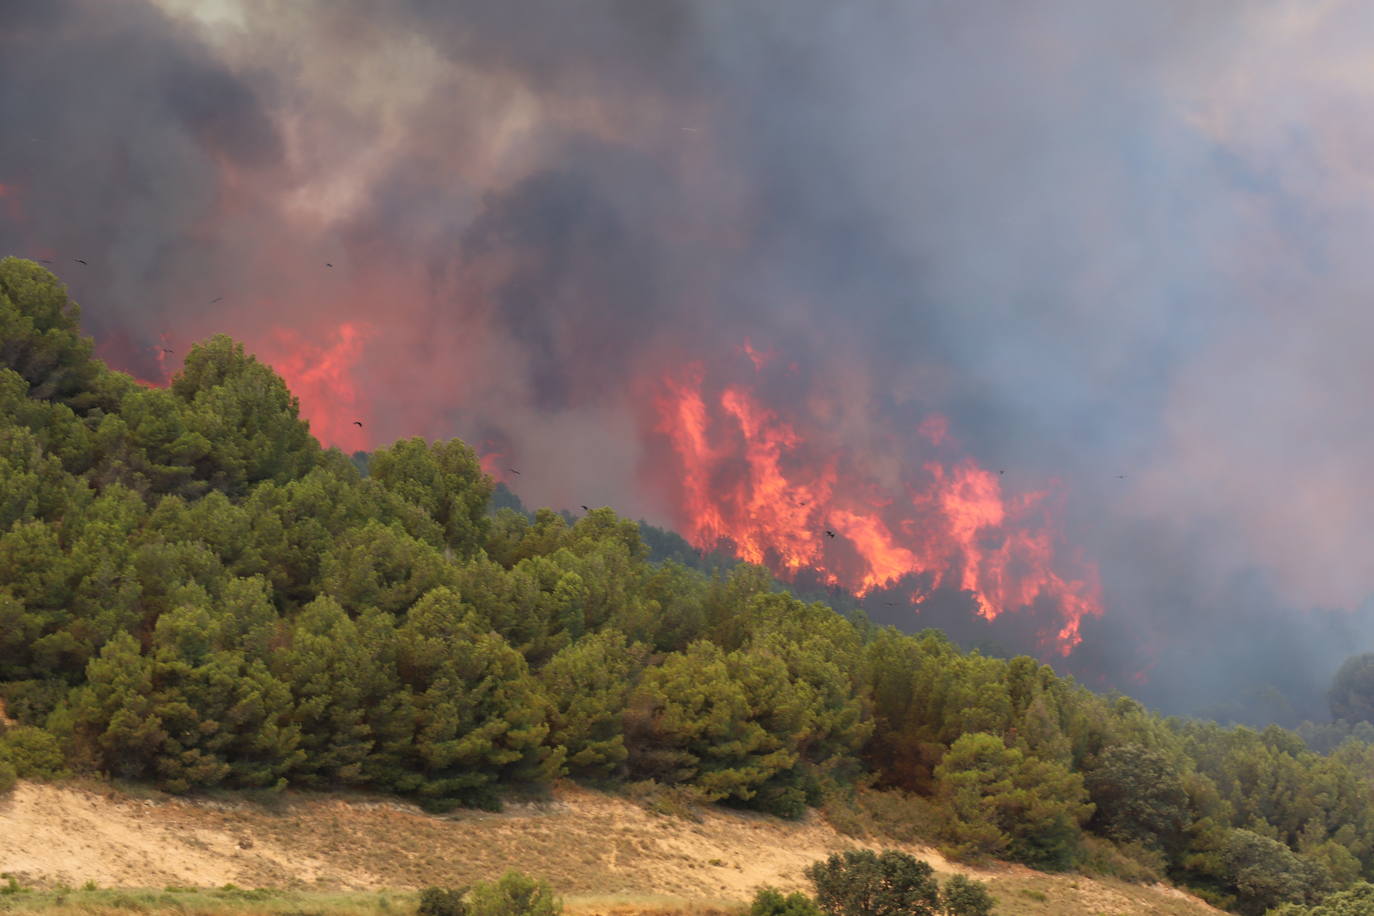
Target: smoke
(1118,250)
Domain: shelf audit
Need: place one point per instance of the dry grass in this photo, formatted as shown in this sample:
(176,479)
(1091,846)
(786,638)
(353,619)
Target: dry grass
(226,901)
(354,854)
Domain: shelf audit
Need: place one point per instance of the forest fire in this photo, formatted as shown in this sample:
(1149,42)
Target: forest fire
(321,376)
(745,482)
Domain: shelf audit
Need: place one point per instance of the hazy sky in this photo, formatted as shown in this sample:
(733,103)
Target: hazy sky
(1101,239)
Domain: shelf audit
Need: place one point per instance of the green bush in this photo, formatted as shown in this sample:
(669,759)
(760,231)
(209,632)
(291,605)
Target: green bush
(8,776)
(30,702)
(769,901)
(1356,900)
(964,897)
(438,901)
(33,752)
(864,883)
(1006,804)
(1265,873)
(514,894)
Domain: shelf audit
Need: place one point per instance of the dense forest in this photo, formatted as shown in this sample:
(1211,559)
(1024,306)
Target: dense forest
(194,593)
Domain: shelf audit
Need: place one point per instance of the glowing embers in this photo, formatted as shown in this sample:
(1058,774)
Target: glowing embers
(793,501)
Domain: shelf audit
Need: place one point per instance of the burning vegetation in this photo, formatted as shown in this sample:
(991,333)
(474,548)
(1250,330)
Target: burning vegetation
(746,478)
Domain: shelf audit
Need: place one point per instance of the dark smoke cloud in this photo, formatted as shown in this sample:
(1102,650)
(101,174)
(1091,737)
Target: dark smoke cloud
(1101,240)
(577,288)
(221,112)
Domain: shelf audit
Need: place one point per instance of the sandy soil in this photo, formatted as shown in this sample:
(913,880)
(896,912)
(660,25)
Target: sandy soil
(604,852)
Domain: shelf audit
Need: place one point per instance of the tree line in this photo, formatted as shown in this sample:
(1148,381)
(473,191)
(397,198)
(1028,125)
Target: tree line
(194,593)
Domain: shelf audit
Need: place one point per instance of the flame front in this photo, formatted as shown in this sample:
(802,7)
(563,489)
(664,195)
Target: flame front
(748,479)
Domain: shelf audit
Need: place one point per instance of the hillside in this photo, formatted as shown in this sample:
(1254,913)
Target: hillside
(602,852)
(196,596)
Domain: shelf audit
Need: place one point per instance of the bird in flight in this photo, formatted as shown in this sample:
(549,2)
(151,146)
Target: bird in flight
(165,349)
(327,264)
(1120,476)
(79,261)
(513,471)
(1001,472)
(216,299)
(357,422)
(585,509)
(829,533)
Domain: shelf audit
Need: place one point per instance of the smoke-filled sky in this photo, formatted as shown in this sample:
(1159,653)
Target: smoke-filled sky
(1099,270)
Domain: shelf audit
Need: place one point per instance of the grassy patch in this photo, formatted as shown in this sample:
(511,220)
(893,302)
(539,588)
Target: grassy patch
(684,802)
(221,901)
(234,901)
(1133,863)
(888,814)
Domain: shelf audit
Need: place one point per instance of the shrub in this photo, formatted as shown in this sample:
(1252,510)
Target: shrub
(1357,900)
(1128,861)
(890,814)
(1265,873)
(1010,805)
(964,897)
(1139,796)
(864,883)
(513,895)
(30,702)
(438,901)
(34,753)
(769,901)
(8,776)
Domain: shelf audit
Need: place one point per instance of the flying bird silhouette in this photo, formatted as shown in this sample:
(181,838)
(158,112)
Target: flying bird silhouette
(513,471)
(327,264)
(357,422)
(79,261)
(166,349)
(585,509)
(216,299)
(829,533)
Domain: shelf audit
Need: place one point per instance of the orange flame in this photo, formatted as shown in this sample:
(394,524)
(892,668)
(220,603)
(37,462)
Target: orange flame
(321,376)
(743,479)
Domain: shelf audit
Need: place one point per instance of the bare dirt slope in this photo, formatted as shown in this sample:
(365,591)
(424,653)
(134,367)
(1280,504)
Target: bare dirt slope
(603,852)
